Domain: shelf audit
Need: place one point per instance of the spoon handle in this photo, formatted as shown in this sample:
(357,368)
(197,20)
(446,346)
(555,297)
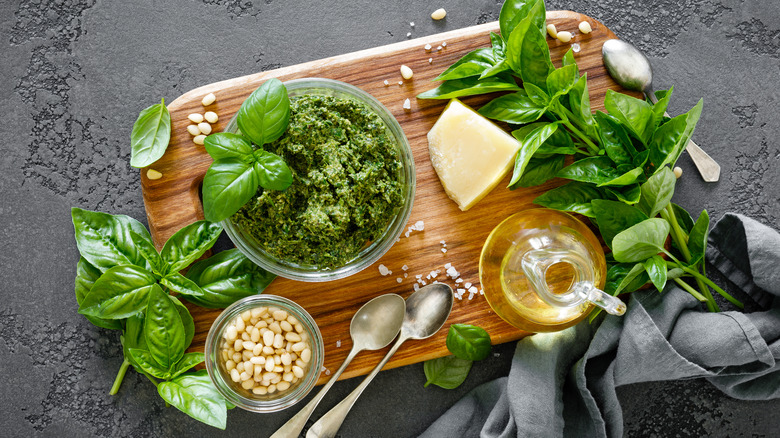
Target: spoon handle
(708,168)
(293,427)
(329,424)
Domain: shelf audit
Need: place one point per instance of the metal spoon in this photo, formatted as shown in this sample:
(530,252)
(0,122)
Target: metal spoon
(373,327)
(426,312)
(631,69)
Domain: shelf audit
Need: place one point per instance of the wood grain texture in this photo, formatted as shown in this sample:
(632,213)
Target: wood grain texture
(173,201)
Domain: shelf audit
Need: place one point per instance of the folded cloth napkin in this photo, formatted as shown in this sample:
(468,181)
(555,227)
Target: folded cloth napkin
(563,384)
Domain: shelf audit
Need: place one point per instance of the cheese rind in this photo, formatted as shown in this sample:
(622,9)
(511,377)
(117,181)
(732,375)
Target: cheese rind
(469,153)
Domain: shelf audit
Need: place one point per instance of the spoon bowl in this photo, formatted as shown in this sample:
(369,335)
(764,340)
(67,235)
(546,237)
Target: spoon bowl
(631,69)
(372,327)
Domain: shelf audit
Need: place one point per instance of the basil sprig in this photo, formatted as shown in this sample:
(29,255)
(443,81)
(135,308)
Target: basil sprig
(150,136)
(467,343)
(239,168)
(123,283)
(620,175)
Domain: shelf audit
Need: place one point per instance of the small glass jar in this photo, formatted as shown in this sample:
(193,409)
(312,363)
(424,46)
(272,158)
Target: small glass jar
(246,399)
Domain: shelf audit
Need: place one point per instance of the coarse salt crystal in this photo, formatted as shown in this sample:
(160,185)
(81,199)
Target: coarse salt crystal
(459,280)
(405,275)
(438,48)
(461,291)
(444,250)
(444,44)
(407,104)
(411,23)
(327,372)
(452,272)
(416,287)
(387,82)
(473,289)
(338,343)
(447,265)
(400,82)
(433,274)
(575,47)
(427,47)
(404,268)
(418,276)
(399,279)
(384,271)
(420,225)
(408,34)
(467,285)
(430,60)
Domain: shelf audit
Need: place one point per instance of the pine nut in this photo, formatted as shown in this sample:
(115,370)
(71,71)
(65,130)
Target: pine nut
(298,347)
(153,174)
(199,139)
(239,345)
(406,72)
(258,360)
(245,336)
(585,27)
(231,333)
(292,337)
(260,390)
(211,117)
(288,377)
(268,338)
(269,376)
(297,371)
(271,389)
(564,36)
(280,315)
(235,376)
(286,359)
(193,130)
(283,386)
(269,364)
(255,335)
(245,376)
(278,341)
(258,350)
(240,325)
(439,14)
(286,326)
(268,350)
(208,99)
(552,31)
(306,355)
(248,384)
(205,128)
(292,320)
(195,118)
(677,172)
(229,365)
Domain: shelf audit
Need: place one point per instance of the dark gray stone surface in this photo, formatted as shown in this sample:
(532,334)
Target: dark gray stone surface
(75,73)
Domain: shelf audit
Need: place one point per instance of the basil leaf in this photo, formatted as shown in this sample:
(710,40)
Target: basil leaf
(228,185)
(527,52)
(189,243)
(151,135)
(697,239)
(536,94)
(133,337)
(196,396)
(574,197)
(513,108)
(561,80)
(615,140)
(225,278)
(613,217)
(149,252)
(628,194)
(656,270)
(265,114)
(626,179)
(471,64)
(684,218)
(500,67)
(633,113)
(188,361)
(641,241)
(468,342)
(471,86)
(119,293)
(86,276)
(659,108)
(657,192)
(447,372)
(540,170)
(186,320)
(568,58)
(635,278)
(498,46)
(163,329)
(105,241)
(531,143)
(514,11)
(271,171)
(227,145)
(579,101)
(671,138)
(596,170)
(143,359)
(181,284)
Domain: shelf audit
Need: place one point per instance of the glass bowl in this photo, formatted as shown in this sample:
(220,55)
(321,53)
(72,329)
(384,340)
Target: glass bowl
(372,251)
(216,360)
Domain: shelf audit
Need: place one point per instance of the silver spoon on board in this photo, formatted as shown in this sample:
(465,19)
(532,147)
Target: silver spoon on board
(374,326)
(426,312)
(632,70)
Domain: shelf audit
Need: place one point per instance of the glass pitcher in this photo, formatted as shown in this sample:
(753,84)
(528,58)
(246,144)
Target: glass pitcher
(543,270)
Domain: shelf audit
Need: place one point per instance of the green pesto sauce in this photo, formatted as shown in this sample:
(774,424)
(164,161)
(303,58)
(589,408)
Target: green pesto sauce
(346,185)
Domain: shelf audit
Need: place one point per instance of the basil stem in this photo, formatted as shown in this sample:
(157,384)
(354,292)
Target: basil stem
(119,377)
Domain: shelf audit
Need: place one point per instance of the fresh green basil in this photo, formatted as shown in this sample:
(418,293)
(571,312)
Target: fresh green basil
(473,63)
(468,342)
(536,94)
(186,320)
(119,293)
(225,278)
(513,108)
(659,108)
(189,243)
(614,139)
(640,241)
(613,217)
(561,80)
(271,170)
(133,337)
(575,197)
(147,250)
(144,360)
(579,102)
(228,185)
(151,135)
(265,114)
(195,395)
(628,194)
(105,241)
(656,270)
(635,114)
(181,284)
(568,59)
(471,86)
(163,329)
(514,11)
(86,276)
(540,170)
(671,138)
(657,192)
(594,170)
(447,372)
(186,363)
(528,54)
(697,239)
(630,279)
(531,143)
(684,218)
(226,145)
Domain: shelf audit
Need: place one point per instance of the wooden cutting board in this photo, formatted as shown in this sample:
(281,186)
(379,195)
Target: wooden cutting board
(173,201)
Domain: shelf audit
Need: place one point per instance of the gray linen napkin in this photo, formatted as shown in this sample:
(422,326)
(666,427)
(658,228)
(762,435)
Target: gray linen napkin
(563,384)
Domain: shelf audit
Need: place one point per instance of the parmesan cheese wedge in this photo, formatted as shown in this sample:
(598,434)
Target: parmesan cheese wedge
(469,153)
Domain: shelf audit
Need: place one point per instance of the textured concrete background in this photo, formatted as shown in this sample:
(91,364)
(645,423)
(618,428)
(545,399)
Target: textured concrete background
(75,73)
